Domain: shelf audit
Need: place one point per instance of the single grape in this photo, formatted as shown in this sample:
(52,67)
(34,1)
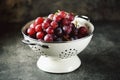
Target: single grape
(32,25)
(70,16)
(83,30)
(65,22)
(50,30)
(31,31)
(47,20)
(62,14)
(38,27)
(67,29)
(50,16)
(40,35)
(58,31)
(57,18)
(45,25)
(54,24)
(39,20)
(48,38)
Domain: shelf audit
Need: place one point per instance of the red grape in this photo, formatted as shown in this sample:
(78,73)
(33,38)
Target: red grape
(45,25)
(47,20)
(38,28)
(65,21)
(70,16)
(57,18)
(39,20)
(31,31)
(58,31)
(54,24)
(67,29)
(39,35)
(50,16)
(50,30)
(83,30)
(62,14)
(48,38)
(32,25)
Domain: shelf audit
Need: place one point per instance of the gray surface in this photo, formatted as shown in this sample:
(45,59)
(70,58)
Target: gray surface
(100,60)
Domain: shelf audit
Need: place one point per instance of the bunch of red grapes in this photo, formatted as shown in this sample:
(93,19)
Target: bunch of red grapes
(56,27)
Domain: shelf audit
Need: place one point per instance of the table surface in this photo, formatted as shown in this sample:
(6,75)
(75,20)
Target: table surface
(100,60)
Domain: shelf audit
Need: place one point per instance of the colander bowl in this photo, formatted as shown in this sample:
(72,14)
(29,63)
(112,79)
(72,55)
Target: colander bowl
(58,57)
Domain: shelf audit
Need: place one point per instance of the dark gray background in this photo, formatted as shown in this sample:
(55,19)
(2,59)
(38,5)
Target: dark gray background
(100,60)
(25,10)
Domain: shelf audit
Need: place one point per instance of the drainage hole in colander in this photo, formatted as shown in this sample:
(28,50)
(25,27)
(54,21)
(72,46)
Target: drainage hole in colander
(65,50)
(64,56)
(73,49)
(62,52)
(76,51)
(32,47)
(70,49)
(65,53)
(68,55)
(59,55)
(72,53)
(42,52)
(45,55)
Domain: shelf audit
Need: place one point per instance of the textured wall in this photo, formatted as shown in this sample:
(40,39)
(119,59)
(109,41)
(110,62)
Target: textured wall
(25,10)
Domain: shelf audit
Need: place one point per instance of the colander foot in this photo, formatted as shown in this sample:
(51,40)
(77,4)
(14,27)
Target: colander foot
(54,65)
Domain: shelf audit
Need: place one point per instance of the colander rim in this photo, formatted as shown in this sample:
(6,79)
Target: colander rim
(23,32)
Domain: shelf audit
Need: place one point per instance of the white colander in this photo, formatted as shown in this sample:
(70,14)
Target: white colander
(59,57)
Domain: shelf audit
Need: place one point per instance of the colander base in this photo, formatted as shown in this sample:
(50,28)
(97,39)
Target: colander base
(54,65)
